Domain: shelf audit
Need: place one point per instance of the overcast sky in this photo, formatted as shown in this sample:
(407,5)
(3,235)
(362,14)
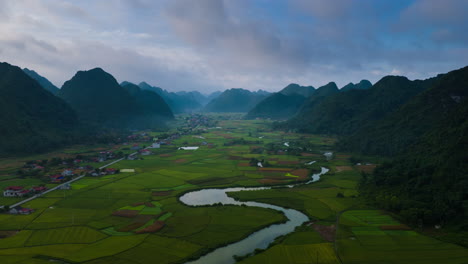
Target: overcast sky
(210,45)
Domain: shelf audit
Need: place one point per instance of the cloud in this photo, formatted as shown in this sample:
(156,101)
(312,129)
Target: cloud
(330,10)
(443,21)
(219,44)
(208,26)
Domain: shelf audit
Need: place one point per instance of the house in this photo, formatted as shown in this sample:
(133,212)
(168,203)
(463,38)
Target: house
(111,171)
(37,167)
(146,152)
(132,157)
(39,189)
(67,172)
(135,147)
(65,186)
(156,145)
(24,192)
(57,178)
(21,210)
(13,191)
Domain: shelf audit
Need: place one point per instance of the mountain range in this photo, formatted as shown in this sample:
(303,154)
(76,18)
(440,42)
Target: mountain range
(289,101)
(344,112)
(235,100)
(427,138)
(98,99)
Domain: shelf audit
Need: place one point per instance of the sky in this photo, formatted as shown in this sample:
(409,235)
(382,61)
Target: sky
(210,45)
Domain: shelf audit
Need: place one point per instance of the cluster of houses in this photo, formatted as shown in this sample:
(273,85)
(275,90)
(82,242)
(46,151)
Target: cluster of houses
(21,210)
(106,171)
(196,120)
(20,191)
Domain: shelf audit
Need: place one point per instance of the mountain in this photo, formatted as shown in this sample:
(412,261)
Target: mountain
(32,118)
(300,121)
(277,106)
(46,84)
(99,100)
(362,85)
(179,103)
(392,135)
(152,104)
(281,105)
(347,111)
(195,96)
(213,95)
(235,100)
(427,182)
(293,88)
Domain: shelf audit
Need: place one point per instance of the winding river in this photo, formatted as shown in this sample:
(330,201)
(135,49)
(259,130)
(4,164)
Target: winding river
(260,239)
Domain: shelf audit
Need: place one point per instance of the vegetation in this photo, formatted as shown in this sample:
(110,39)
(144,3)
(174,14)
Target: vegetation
(344,112)
(178,102)
(32,118)
(46,84)
(277,106)
(235,100)
(99,100)
(304,91)
(362,85)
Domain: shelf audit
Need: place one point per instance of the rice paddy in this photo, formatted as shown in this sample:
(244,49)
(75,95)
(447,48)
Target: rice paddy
(135,216)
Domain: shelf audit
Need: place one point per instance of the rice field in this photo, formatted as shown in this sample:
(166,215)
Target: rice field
(99,218)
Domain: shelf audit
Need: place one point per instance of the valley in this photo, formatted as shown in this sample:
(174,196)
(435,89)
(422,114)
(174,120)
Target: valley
(136,216)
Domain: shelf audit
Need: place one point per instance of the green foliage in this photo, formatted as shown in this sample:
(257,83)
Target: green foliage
(99,100)
(427,184)
(46,84)
(277,106)
(150,102)
(32,118)
(179,102)
(234,100)
(342,113)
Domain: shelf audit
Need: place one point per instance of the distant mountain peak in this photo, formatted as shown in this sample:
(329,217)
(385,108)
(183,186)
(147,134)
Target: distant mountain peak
(362,85)
(235,100)
(46,84)
(294,88)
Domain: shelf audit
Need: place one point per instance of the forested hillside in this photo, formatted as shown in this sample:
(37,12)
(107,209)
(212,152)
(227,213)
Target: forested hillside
(345,112)
(178,102)
(277,106)
(427,182)
(46,84)
(235,100)
(100,101)
(32,119)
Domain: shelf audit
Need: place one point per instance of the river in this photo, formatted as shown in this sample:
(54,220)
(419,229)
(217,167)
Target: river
(259,239)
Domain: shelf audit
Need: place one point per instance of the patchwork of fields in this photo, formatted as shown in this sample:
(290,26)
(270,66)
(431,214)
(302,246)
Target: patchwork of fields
(135,217)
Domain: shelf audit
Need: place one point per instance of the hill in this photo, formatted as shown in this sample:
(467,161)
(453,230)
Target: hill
(362,85)
(99,100)
(345,112)
(46,84)
(32,118)
(235,100)
(179,103)
(427,183)
(293,88)
(402,128)
(151,103)
(277,106)
(307,108)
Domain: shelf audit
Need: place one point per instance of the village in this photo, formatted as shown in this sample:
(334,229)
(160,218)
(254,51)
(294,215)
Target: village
(58,171)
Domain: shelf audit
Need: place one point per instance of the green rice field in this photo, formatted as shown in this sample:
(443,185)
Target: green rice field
(137,217)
